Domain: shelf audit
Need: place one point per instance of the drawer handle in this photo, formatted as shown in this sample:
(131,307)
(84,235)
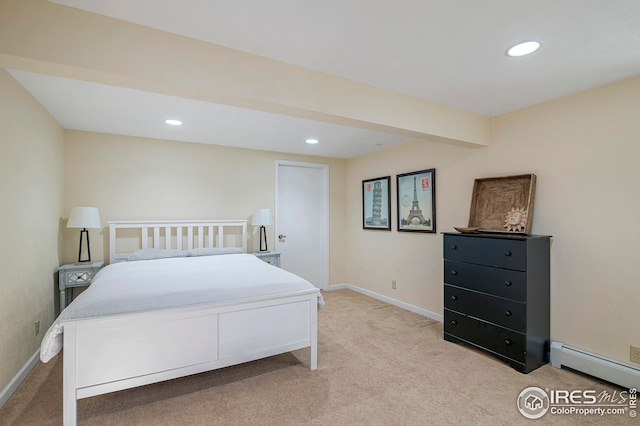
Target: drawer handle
(454,247)
(454,272)
(507,313)
(454,322)
(507,342)
(454,297)
(507,283)
(507,253)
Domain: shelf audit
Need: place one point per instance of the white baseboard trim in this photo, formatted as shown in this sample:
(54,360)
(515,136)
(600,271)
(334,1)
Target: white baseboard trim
(18,378)
(389,300)
(338,287)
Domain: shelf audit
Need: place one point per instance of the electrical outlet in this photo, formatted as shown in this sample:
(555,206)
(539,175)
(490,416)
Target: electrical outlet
(37,327)
(634,356)
(393,284)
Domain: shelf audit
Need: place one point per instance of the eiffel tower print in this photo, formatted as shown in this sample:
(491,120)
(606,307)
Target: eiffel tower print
(417,213)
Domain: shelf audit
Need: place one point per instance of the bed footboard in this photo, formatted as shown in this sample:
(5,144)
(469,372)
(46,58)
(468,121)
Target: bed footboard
(108,354)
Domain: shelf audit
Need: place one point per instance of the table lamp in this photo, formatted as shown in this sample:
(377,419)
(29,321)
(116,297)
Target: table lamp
(84,217)
(262,218)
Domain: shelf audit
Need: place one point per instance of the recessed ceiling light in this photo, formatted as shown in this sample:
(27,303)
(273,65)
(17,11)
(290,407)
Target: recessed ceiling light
(524,48)
(312,141)
(174,122)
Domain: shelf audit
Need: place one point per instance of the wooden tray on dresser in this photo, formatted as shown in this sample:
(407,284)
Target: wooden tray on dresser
(503,204)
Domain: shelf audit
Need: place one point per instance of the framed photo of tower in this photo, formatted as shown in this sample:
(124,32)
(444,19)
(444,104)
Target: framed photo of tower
(376,203)
(416,197)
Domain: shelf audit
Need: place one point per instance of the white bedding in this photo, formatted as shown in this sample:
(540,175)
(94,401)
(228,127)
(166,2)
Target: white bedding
(166,283)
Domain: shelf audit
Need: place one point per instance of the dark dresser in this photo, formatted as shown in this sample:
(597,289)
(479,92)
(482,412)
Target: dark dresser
(496,295)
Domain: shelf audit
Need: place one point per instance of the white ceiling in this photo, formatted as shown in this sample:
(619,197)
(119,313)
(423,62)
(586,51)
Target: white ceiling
(446,51)
(80,105)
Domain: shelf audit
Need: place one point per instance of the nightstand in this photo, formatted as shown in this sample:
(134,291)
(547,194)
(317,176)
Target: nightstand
(75,275)
(271,257)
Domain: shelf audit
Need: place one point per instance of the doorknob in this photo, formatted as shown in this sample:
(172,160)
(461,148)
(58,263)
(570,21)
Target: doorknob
(282,237)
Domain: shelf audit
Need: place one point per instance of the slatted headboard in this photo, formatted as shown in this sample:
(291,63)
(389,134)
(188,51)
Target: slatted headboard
(174,234)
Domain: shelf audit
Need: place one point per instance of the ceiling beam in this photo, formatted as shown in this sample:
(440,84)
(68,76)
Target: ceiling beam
(44,37)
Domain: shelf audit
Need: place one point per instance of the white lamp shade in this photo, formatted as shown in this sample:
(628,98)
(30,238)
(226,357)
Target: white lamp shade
(84,217)
(262,217)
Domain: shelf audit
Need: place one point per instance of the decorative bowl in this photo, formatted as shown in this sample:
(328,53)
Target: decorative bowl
(465,230)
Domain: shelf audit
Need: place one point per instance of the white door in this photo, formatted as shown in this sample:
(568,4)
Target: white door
(302,220)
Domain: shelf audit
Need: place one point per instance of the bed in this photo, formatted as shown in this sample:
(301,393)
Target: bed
(192,301)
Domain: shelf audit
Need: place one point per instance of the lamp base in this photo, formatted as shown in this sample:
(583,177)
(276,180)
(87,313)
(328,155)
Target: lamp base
(80,259)
(263,236)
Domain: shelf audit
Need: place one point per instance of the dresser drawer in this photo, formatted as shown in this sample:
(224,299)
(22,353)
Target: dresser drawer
(272,257)
(503,312)
(505,283)
(272,260)
(78,278)
(502,253)
(500,340)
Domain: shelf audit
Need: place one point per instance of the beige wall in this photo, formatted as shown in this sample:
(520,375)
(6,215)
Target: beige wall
(584,150)
(31,186)
(130,178)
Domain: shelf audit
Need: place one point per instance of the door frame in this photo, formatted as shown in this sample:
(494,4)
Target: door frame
(325,213)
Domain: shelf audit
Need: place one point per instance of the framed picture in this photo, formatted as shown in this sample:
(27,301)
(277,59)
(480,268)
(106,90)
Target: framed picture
(376,203)
(503,204)
(416,193)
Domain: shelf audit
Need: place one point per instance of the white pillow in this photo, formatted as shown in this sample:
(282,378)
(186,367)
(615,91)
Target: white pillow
(213,251)
(150,254)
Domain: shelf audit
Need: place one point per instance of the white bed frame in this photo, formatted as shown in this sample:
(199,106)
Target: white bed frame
(111,353)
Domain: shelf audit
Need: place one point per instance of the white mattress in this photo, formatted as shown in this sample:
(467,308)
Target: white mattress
(166,283)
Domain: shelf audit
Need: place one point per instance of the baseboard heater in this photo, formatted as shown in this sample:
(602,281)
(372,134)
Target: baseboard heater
(612,371)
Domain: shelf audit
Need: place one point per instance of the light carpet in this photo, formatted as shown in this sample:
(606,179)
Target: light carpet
(377,365)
